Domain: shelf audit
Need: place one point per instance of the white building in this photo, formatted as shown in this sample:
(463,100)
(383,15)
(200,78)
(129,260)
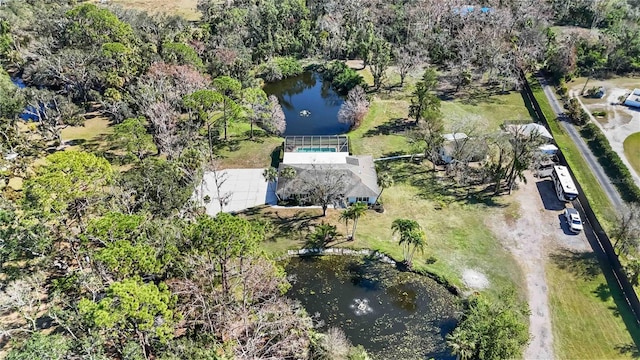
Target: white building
(633,99)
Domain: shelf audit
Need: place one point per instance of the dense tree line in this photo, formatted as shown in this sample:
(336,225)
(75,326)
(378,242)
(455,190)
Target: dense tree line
(119,259)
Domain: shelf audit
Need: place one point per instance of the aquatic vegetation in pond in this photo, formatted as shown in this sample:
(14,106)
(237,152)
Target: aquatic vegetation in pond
(393,314)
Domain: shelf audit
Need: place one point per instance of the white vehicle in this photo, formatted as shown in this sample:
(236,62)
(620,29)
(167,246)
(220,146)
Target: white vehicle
(573,220)
(565,187)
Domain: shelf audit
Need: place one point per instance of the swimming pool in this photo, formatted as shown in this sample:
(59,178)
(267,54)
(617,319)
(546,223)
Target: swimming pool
(315,149)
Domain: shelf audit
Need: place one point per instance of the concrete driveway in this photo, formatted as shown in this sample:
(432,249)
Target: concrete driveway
(243,188)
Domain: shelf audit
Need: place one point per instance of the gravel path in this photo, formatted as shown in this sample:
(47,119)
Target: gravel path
(539,229)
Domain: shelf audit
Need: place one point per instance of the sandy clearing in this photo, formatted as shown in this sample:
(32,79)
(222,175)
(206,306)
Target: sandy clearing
(539,229)
(474,279)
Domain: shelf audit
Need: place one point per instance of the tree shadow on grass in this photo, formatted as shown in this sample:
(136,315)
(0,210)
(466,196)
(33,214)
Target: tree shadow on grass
(291,226)
(433,186)
(393,126)
(583,265)
(602,292)
(529,106)
(588,265)
(628,349)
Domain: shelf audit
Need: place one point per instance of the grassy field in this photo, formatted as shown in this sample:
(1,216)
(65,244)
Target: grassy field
(242,152)
(93,133)
(597,198)
(184,8)
(489,111)
(632,151)
(585,317)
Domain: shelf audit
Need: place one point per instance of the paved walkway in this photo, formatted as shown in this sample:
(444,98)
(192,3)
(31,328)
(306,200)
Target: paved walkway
(245,188)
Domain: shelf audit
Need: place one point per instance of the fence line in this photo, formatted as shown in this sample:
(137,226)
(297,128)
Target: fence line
(602,241)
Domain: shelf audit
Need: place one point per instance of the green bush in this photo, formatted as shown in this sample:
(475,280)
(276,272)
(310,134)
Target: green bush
(342,77)
(616,170)
(280,68)
(289,66)
(599,113)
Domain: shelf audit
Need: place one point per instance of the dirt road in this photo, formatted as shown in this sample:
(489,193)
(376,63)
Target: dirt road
(539,229)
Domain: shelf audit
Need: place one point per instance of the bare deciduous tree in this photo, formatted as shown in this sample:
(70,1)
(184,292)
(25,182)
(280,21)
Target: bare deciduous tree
(333,345)
(626,231)
(219,178)
(355,108)
(275,122)
(24,296)
(406,61)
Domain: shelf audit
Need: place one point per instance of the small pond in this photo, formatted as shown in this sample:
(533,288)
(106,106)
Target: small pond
(309,104)
(393,314)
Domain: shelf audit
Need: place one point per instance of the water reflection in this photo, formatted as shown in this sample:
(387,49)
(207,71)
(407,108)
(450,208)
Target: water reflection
(307,92)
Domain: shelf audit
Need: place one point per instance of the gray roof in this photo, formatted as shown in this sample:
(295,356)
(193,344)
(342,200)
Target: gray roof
(358,175)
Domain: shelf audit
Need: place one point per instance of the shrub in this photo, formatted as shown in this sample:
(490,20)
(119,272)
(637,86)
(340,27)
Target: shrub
(288,66)
(280,68)
(342,77)
(611,162)
(599,113)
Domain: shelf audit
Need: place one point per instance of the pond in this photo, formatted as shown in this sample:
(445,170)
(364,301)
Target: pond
(309,104)
(393,314)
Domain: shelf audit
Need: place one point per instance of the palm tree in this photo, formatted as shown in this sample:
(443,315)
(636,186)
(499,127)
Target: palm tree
(385,180)
(416,240)
(271,176)
(346,215)
(357,210)
(322,236)
(287,173)
(412,237)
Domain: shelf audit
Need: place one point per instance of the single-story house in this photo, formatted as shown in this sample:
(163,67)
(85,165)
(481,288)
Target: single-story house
(633,99)
(320,161)
(530,129)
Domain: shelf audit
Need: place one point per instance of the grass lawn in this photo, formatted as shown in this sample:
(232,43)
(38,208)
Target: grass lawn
(457,236)
(241,152)
(592,189)
(185,8)
(93,132)
(489,111)
(585,317)
(632,151)
(382,132)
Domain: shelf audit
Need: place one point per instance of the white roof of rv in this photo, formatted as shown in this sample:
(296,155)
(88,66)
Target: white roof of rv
(565,179)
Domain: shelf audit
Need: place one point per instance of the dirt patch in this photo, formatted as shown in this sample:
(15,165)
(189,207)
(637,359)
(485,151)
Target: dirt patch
(530,238)
(474,280)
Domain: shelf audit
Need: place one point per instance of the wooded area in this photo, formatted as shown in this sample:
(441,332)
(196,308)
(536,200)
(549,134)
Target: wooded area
(109,249)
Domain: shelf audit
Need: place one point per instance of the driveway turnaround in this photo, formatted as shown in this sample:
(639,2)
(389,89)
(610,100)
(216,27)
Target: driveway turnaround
(242,189)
